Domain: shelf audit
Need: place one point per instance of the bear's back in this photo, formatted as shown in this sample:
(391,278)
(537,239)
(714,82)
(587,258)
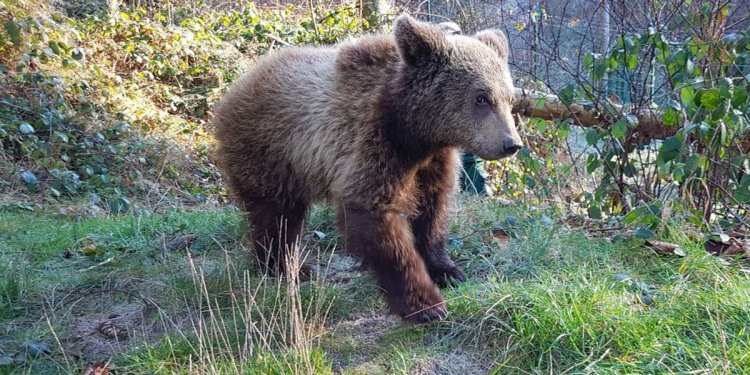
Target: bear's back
(300,114)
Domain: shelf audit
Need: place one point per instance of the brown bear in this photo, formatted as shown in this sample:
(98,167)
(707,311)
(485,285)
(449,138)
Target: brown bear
(374,127)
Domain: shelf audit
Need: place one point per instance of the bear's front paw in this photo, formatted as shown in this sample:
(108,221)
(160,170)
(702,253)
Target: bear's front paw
(426,315)
(421,306)
(444,277)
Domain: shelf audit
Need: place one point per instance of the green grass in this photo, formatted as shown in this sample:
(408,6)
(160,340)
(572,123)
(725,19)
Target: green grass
(547,300)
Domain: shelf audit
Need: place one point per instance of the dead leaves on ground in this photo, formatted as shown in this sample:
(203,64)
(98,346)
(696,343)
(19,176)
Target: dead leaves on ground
(96,368)
(732,243)
(179,243)
(665,248)
(111,330)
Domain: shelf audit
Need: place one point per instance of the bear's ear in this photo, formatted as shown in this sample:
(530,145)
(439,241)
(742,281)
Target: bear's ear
(497,40)
(418,42)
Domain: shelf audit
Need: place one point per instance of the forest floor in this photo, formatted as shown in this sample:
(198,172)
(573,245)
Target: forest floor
(177,292)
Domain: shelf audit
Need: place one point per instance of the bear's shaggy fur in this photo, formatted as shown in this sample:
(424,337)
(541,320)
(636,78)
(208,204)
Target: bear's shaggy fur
(373,126)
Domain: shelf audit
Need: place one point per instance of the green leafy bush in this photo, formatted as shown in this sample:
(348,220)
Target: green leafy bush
(108,102)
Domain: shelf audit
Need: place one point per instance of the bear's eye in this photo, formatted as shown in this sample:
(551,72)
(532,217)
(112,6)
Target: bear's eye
(482,99)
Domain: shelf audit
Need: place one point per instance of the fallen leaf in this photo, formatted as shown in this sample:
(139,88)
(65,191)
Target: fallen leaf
(739,233)
(511,220)
(732,246)
(109,329)
(500,234)
(546,220)
(620,277)
(665,248)
(719,238)
(37,349)
(646,299)
(715,248)
(89,248)
(96,368)
(180,242)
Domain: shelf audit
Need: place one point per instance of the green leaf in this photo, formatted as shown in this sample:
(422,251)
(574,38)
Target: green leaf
(595,212)
(671,116)
(632,60)
(643,233)
(612,62)
(710,99)
(54,47)
(739,97)
(588,59)
(14,31)
(529,181)
(620,128)
(592,136)
(678,173)
(743,191)
(119,206)
(632,216)
(687,96)
(599,69)
(670,149)
(689,66)
(539,123)
(593,163)
(568,94)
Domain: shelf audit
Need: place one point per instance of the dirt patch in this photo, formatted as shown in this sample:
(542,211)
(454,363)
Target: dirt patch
(353,344)
(456,362)
(105,324)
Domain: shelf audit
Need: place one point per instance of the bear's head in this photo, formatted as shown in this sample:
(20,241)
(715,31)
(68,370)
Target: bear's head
(458,89)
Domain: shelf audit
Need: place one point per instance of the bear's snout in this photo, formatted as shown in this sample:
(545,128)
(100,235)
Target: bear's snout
(511,146)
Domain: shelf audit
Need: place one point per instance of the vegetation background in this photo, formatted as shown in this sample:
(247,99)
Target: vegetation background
(617,241)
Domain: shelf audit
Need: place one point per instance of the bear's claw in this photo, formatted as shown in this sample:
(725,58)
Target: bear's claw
(431,314)
(448,277)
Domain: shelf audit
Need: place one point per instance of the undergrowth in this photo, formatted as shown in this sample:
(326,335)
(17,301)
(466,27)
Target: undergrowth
(115,105)
(541,298)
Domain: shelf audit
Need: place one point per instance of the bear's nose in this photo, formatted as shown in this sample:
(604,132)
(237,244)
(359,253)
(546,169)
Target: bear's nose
(511,146)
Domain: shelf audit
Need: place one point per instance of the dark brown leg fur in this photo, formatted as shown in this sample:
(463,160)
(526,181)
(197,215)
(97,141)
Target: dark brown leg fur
(384,242)
(276,227)
(436,183)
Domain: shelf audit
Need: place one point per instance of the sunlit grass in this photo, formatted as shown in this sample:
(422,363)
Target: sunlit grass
(546,300)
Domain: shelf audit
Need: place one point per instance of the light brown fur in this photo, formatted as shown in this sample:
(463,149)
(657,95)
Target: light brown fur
(372,126)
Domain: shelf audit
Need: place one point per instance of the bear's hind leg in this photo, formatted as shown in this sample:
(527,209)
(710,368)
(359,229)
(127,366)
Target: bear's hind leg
(386,246)
(276,227)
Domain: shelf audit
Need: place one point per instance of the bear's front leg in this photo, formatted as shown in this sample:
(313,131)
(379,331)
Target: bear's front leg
(437,184)
(384,242)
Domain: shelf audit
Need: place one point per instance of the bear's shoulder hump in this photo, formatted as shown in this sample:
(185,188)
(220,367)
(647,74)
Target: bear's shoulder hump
(368,53)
